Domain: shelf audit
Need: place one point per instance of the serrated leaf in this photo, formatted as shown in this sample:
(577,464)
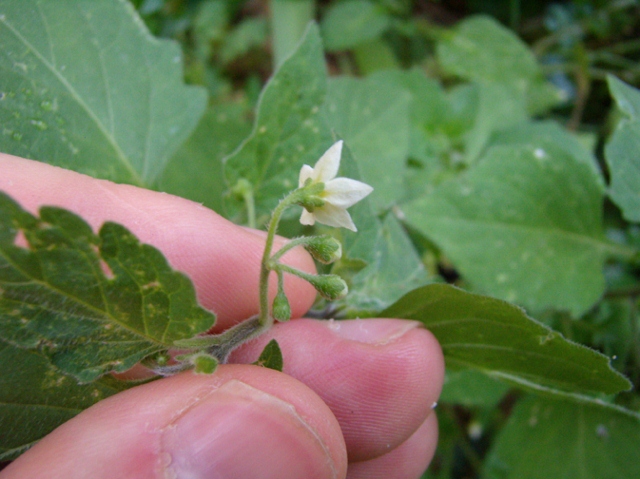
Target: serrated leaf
(91,303)
(372,116)
(271,356)
(482,50)
(35,398)
(500,339)
(532,235)
(351,23)
(287,132)
(196,170)
(622,151)
(545,439)
(86,87)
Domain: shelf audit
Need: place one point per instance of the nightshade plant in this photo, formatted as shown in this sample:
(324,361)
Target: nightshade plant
(323,198)
(476,184)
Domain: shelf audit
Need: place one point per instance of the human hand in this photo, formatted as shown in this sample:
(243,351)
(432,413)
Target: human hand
(354,400)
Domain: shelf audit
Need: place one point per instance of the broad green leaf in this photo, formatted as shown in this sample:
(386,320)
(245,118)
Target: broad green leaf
(287,132)
(196,170)
(622,152)
(523,224)
(545,439)
(499,339)
(363,244)
(543,134)
(627,97)
(480,49)
(92,303)
(438,122)
(86,87)
(497,108)
(394,270)
(372,116)
(271,356)
(351,23)
(35,398)
(472,388)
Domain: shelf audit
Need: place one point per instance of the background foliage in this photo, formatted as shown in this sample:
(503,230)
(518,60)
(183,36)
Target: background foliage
(502,141)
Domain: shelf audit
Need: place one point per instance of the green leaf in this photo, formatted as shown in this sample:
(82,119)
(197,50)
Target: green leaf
(622,151)
(351,23)
(271,356)
(372,116)
(472,388)
(394,270)
(499,339)
(508,234)
(35,398)
(549,134)
(86,87)
(627,97)
(287,132)
(196,170)
(497,108)
(545,439)
(482,50)
(91,303)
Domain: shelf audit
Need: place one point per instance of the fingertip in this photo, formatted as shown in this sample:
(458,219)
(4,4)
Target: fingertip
(380,377)
(242,421)
(407,461)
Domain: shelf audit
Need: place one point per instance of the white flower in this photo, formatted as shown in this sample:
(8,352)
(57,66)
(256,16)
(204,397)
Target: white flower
(338,194)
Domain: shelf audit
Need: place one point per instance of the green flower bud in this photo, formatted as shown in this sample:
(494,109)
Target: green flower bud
(330,286)
(281,310)
(204,363)
(325,248)
(241,189)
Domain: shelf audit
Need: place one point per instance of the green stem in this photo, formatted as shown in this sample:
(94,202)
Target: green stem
(294,271)
(265,318)
(251,209)
(289,246)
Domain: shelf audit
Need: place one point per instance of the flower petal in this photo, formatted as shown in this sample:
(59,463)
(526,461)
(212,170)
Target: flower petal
(307,218)
(306,172)
(327,166)
(334,216)
(345,192)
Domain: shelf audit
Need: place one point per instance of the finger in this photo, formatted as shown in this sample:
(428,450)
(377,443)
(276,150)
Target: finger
(241,422)
(222,259)
(407,461)
(380,377)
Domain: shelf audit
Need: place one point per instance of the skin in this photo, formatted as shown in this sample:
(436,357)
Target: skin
(354,399)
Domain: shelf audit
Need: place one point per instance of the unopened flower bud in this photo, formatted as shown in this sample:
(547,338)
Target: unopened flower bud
(325,248)
(204,363)
(281,310)
(330,286)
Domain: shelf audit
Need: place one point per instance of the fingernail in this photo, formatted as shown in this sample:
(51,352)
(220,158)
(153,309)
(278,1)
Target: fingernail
(372,331)
(240,432)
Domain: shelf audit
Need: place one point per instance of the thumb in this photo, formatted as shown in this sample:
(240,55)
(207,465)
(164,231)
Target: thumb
(241,422)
